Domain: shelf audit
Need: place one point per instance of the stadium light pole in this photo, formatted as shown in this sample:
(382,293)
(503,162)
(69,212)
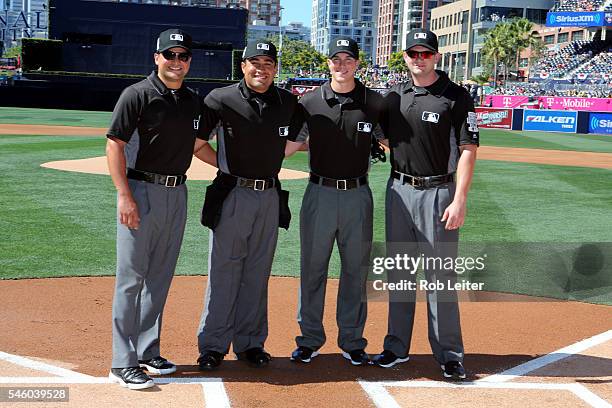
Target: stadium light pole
(280,40)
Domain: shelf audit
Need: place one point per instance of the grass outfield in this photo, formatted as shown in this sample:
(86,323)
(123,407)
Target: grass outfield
(56,223)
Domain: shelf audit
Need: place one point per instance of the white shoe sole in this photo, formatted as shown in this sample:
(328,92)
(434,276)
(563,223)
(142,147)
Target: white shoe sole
(122,383)
(162,371)
(313,355)
(461,377)
(355,363)
(394,362)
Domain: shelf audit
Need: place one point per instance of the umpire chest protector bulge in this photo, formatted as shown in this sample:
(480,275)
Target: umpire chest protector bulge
(252,129)
(339,131)
(426,126)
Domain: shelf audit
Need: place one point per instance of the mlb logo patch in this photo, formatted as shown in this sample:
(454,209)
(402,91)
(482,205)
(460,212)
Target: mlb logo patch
(342,43)
(176,37)
(364,127)
(196,123)
(263,46)
(430,117)
(420,36)
(283,131)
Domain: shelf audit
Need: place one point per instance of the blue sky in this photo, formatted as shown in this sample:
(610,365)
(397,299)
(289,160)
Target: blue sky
(297,10)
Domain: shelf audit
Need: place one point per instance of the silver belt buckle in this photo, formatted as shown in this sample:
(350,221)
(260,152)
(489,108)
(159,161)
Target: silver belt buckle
(340,186)
(263,185)
(174,180)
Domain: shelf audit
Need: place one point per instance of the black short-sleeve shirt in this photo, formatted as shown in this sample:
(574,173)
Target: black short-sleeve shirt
(252,128)
(426,126)
(159,126)
(339,129)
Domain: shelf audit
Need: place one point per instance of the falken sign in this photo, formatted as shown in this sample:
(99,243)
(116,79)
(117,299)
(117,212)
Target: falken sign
(578,19)
(15,25)
(550,121)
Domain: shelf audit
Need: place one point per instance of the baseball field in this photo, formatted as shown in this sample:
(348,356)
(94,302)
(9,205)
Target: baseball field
(540,335)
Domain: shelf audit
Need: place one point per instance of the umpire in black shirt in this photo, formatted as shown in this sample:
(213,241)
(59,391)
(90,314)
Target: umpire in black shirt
(253,121)
(150,144)
(341,118)
(431,126)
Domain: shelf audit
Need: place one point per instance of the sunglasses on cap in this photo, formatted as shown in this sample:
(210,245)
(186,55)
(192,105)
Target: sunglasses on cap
(422,54)
(171,55)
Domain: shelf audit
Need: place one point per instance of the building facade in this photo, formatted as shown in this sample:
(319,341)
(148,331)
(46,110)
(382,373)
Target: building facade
(353,18)
(396,18)
(22,19)
(451,23)
(259,10)
(462,26)
(293,31)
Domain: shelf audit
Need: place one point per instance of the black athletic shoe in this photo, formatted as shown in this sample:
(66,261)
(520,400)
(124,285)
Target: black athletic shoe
(388,359)
(256,357)
(303,354)
(209,360)
(158,365)
(453,370)
(131,377)
(357,357)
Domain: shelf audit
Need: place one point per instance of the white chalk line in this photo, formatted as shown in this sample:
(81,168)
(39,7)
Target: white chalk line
(40,366)
(213,388)
(377,391)
(548,359)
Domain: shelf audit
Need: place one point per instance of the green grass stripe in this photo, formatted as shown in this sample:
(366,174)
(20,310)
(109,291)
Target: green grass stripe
(546,140)
(56,223)
(31,116)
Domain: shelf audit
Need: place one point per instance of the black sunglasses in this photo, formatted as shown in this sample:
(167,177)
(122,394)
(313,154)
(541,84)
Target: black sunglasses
(422,54)
(171,55)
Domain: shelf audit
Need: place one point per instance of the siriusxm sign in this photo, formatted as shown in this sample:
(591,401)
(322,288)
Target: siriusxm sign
(600,123)
(577,19)
(550,121)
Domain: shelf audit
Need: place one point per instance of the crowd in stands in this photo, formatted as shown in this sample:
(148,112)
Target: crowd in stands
(596,68)
(558,63)
(380,78)
(578,5)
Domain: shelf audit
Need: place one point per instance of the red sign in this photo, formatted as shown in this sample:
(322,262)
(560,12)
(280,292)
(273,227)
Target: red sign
(494,118)
(301,90)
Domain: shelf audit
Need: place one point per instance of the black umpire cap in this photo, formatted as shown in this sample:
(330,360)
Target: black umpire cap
(344,44)
(259,47)
(173,37)
(422,37)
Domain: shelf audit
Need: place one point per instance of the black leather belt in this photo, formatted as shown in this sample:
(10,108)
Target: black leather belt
(422,182)
(255,184)
(164,180)
(345,184)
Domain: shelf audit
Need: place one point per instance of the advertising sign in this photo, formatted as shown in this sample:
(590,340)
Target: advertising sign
(600,123)
(578,104)
(494,118)
(551,102)
(506,101)
(550,121)
(301,90)
(576,19)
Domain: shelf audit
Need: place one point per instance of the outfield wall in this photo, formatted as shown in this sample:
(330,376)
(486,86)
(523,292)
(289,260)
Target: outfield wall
(79,92)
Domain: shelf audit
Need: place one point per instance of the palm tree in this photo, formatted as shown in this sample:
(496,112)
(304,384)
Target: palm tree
(496,47)
(524,37)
